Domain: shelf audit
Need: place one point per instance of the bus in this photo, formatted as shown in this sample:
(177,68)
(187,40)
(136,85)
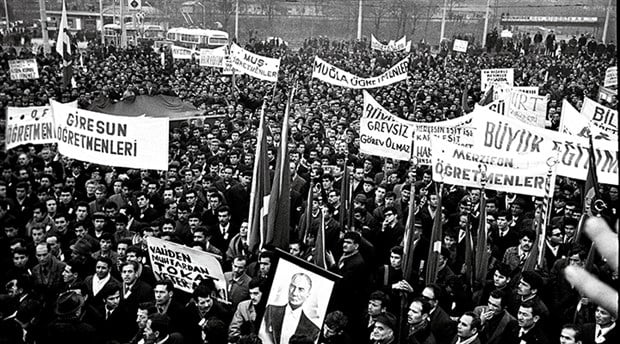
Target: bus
(197,39)
(141,34)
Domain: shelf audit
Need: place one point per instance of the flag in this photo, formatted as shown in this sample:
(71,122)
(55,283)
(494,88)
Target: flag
(464,105)
(469,257)
(319,245)
(63,47)
(307,214)
(537,252)
(162,58)
(259,192)
(591,187)
(482,255)
(408,247)
(487,98)
(345,198)
(435,242)
(279,216)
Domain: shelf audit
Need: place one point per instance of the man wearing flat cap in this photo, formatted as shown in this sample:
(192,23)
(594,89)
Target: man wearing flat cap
(67,328)
(385,327)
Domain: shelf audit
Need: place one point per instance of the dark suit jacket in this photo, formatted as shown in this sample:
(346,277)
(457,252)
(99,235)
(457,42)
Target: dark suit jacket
(501,244)
(274,315)
(140,292)
(475,341)
(443,328)
(88,284)
(120,325)
(495,331)
(536,335)
(589,334)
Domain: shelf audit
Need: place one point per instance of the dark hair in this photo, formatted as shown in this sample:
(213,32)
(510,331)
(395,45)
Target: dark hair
(533,279)
(426,306)
(379,295)
(160,323)
(202,291)
(336,320)
(354,236)
(536,310)
(504,269)
(475,320)
(397,250)
(108,290)
(498,294)
(528,233)
(577,329)
(167,283)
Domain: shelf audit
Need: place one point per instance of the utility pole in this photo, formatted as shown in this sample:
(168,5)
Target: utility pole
(443,20)
(43,13)
(237,21)
(486,23)
(6,12)
(101,19)
(123,28)
(359,21)
(607,14)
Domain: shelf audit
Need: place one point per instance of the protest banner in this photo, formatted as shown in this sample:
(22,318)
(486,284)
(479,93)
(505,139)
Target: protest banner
(460,45)
(606,94)
(508,135)
(23,69)
(519,173)
(455,130)
(212,57)
(181,53)
(502,91)
(611,77)
(261,67)
(392,45)
(387,139)
(496,76)
(33,124)
(133,142)
(497,106)
(601,116)
(336,76)
(228,67)
(184,266)
(527,108)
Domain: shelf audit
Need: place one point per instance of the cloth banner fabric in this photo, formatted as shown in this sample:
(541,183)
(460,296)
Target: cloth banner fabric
(456,130)
(611,77)
(606,94)
(181,53)
(520,173)
(33,124)
(392,46)
(572,122)
(496,76)
(511,136)
(389,139)
(132,142)
(261,67)
(502,91)
(169,107)
(24,69)
(212,57)
(460,45)
(336,76)
(184,266)
(601,116)
(527,108)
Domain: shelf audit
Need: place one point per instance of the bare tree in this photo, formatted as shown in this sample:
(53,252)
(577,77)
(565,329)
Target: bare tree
(378,10)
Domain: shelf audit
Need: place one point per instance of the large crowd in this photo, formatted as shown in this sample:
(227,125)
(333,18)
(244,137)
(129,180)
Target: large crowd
(74,265)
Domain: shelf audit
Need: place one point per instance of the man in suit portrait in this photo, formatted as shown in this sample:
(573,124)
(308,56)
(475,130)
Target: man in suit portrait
(280,323)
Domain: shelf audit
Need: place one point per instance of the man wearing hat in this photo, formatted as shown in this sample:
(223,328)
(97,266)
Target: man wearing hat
(383,332)
(67,328)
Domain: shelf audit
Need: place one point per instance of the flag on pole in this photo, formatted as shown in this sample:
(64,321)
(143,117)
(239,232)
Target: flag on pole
(279,217)
(435,242)
(319,245)
(63,47)
(469,256)
(482,255)
(487,98)
(537,252)
(409,248)
(345,197)
(307,221)
(259,192)
(464,105)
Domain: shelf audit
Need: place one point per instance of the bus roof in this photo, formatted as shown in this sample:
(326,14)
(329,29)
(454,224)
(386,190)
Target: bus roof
(202,32)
